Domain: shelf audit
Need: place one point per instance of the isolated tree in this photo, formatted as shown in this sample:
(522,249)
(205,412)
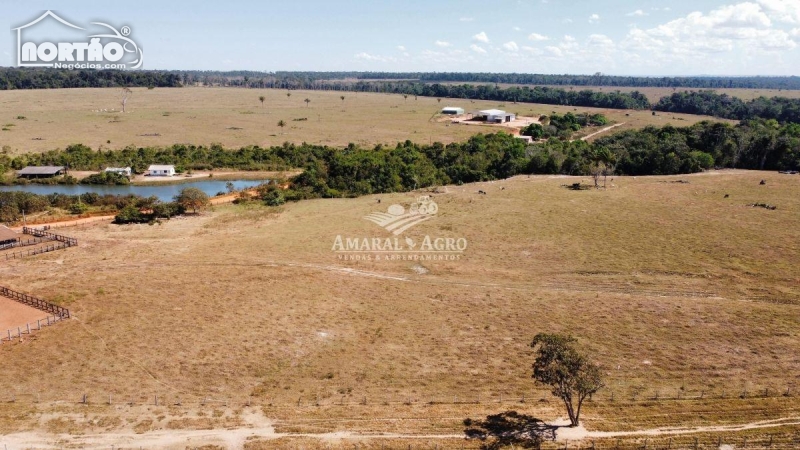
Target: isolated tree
(192,198)
(342,97)
(602,164)
(405,97)
(570,374)
(307,102)
(281,123)
(125,95)
(438,100)
(261,99)
(288,94)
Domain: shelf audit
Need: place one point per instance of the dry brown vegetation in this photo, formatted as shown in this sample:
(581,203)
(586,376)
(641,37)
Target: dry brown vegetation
(234,117)
(689,300)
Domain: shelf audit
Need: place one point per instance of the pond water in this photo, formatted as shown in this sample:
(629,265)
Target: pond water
(164,192)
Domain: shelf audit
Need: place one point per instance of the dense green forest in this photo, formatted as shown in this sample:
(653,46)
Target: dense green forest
(285,79)
(709,103)
(27,78)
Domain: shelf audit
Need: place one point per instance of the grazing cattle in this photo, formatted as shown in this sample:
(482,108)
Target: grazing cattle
(763,182)
(726,195)
(482,192)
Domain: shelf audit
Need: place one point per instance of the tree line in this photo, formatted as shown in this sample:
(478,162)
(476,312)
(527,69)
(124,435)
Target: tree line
(353,170)
(35,78)
(710,103)
(597,79)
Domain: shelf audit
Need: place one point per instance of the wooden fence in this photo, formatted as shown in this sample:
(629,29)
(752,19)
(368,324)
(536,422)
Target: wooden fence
(53,236)
(35,302)
(29,328)
(40,235)
(36,251)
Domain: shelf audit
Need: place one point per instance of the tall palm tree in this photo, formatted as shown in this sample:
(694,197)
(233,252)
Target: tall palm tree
(307,102)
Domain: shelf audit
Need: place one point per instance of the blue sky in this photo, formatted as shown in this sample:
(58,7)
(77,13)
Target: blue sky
(698,37)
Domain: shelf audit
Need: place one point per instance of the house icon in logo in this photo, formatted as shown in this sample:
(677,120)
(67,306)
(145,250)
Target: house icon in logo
(28,25)
(111,48)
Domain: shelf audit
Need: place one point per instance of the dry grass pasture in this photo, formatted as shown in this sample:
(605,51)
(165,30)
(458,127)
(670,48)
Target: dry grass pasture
(234,117)
(689,300)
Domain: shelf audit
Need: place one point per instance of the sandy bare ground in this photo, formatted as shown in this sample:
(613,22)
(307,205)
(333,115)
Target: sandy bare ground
(14,314)
(589,136)
(580,433)
(259,427)
(68,222)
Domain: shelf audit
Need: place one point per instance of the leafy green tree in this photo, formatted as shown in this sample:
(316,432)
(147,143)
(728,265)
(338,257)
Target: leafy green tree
(261,98)
(308,100)
(192,198)
(129,214)
(571,376)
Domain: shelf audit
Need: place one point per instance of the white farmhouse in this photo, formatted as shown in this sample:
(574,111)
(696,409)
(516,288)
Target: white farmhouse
(161,171)
(496,115)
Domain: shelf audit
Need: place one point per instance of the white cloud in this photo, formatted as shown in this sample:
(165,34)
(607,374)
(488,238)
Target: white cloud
(511,46)
(594,18)
(554,51)
(364,56)
(481,37)
(402,48)
(796,32)
(516,28)
(567,20)
(532,50)
(600,40)
(637,13)
(466,19)
(782,10)
(537,37)
(443,44)
(731,28)
(477,49)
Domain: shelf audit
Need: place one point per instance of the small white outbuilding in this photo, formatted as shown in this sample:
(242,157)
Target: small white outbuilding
(124,171)
(453,111)
(161,171)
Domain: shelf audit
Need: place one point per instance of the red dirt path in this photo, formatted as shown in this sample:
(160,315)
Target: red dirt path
(14,314)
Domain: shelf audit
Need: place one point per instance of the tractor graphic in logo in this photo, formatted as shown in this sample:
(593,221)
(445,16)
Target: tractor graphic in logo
(397,220)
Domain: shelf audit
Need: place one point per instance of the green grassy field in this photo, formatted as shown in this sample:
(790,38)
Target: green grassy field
(689,300)
(234,117)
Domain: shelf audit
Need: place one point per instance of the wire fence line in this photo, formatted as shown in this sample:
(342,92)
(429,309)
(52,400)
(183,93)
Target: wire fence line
(14,334)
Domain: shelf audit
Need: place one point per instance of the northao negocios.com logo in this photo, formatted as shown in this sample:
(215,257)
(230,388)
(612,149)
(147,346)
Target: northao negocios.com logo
(50,41)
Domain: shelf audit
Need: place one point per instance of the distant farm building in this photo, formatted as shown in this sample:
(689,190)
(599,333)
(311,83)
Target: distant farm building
(7,236)
(124,171)
(41,171)
(161,171)
(527,139)
(495,116)
(453,111)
